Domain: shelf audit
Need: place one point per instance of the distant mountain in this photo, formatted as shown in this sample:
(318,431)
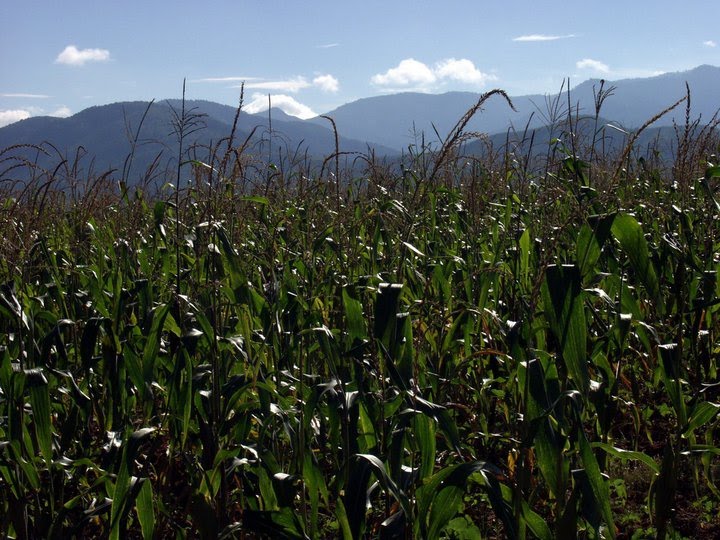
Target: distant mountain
(386,124)
(399,120)
(610,140)
(103,135)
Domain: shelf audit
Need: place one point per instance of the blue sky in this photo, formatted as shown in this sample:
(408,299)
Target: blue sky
(59,57)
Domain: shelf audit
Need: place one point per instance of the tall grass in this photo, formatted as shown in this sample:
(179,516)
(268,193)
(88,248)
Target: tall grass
(466,347)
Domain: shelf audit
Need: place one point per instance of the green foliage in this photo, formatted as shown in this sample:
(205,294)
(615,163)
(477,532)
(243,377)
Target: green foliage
(519,354)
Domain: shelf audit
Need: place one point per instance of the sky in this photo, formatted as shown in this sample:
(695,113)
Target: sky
(58,57)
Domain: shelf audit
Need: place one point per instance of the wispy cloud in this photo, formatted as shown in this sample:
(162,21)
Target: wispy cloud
(327,46)
(224,79)
(601,68)
(542,37)
(11,116)
(418,75)
(72,56)
(25,96)
(289,85)
(710,43)
(287,104)
(594,65)
(326,83)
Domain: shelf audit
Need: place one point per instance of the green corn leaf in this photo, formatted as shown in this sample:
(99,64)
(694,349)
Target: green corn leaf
(343,522)
(230,260)
(269,524)
(462,528)
(629,233)
(89,340)
(426,495)
(123,493)
(203,516)
(29,470)
(525,244)
(378,467)
(702,449)
(354,501)
(547,444)
(662,492)
(413,249)
(425,434)
(40,402)
(597,482)
(536,523)
(187,394)
(256,199)
(135,370)
(702,413)
(442,284)
(354,315)
(316,488)
(712,172)
(591,238)
(145,509)
(440,414)
(10,304)
(456,331)
(440,498)
(367,436)
(628,455)
(563,300)
(152,347)
(445,506)
(403,345)
(671,376)
(386,309)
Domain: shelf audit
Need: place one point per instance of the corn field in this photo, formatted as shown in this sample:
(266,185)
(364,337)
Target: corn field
(452,347)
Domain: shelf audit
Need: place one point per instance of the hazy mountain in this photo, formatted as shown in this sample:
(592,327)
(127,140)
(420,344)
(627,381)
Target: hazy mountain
(610,140)
(103,135)
(399,120)
(388,124)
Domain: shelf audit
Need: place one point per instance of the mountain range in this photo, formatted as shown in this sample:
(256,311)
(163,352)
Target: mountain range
(103,136)
(395,120)
(386,125)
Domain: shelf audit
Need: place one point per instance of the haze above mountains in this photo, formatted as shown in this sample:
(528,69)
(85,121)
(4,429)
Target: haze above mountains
(386,124)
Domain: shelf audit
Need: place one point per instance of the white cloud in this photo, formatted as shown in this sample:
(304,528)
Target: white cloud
(61,112)
(285,103)
(408,72)
(328,46)
(462,70)
(25,96)
(542,37)
(411,73)
(15,115)
(72,56)
(34,110)
(710,43)
(327,83)
(290,85)
(10,116)
(595,65)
